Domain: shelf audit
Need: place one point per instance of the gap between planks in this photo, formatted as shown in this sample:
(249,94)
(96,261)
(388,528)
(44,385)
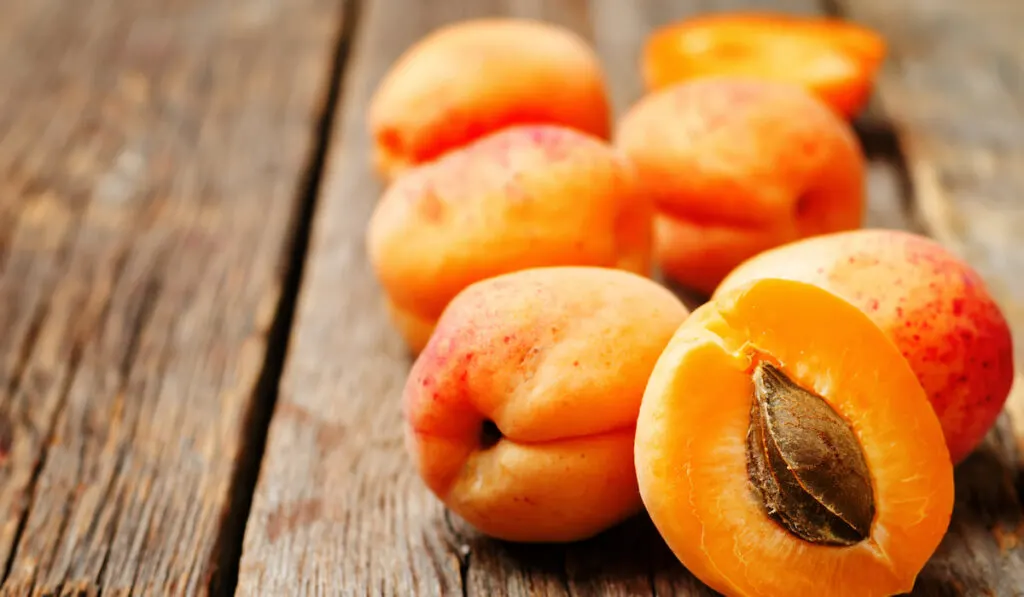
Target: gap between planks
(243,484)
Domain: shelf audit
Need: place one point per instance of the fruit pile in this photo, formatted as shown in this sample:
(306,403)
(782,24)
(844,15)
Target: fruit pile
(795,434)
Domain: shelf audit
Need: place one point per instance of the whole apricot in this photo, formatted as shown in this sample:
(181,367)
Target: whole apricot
(932,305)
(471,78)
(738,166)
(783,447)
(522,197)
(520,411)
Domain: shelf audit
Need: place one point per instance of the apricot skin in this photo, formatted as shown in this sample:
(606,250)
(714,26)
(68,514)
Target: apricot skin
(737,166)
(931,304)
(558,359)
(469,79)
(519,198)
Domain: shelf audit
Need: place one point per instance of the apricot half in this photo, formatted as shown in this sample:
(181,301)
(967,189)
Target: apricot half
(784,447)
(738,166)
(931,303)
(471,78)
(522,197)
(520,411)
(836,60)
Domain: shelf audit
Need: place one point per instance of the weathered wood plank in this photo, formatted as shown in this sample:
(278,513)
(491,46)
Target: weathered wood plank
(151,158)
(338,507)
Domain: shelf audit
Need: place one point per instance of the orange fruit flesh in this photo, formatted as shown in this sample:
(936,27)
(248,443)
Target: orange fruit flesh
(835,59)
(690,448)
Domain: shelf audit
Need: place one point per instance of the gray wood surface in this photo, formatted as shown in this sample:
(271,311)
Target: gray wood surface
(338,508)
(151,159)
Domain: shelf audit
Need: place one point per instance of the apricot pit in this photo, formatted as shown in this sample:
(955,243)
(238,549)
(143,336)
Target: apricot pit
(806,464)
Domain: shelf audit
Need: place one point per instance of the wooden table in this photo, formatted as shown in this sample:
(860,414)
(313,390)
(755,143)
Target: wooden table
(199,383)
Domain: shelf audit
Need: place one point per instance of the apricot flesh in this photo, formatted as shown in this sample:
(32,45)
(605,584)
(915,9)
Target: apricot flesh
(738,166)
(522,197)
(836,60)
(932,305)
(520,411)
(692,438)
(472,78)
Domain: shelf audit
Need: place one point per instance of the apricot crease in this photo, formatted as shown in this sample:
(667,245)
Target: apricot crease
(520,410)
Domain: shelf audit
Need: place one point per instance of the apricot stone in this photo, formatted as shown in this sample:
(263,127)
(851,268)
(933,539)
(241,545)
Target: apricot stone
(738,166)
(474,77)
(932,305)
(783,447)
(520,411)
(523,197)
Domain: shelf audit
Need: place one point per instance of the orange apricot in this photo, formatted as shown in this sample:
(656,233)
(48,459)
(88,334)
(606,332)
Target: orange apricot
(474,77)
(784,447)
(519,413)
(931,303)
(522,197)
(834,59)
(738,166)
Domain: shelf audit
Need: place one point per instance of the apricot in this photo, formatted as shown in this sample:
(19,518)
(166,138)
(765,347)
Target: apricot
(519,413)
(783,447)
(474,77)
(834,59)
(932,305)
(738,166)
(522,197)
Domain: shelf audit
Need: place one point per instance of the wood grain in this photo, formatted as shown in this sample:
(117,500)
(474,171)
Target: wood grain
(151,157)
(338,508)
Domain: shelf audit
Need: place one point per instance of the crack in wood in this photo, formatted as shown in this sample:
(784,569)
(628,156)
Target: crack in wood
(74,360)
(243,484)
(880,142)
(145,310)
(461,550)
(28,344)
(142,314)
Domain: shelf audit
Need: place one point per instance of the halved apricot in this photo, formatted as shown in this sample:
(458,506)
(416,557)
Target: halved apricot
(785,447)
(836,59)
